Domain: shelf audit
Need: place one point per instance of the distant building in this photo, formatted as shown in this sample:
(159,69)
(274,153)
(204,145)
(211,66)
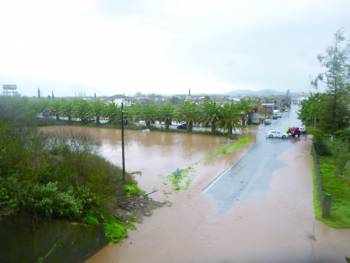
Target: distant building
(10,90)
(266,109)
(234,99)
(118,100)
(188,97)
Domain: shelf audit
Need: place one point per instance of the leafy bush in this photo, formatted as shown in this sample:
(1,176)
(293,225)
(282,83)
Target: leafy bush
(56,176)
(9,202)
(115,231)
(133,189)
(90,219)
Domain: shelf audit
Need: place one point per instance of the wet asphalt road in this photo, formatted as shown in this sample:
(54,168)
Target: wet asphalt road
(250,177)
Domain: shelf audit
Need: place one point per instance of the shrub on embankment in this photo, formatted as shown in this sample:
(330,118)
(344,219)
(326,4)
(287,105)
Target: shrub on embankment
(55,177)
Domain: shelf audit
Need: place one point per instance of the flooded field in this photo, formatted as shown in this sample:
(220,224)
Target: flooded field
(259,210)
(157,154)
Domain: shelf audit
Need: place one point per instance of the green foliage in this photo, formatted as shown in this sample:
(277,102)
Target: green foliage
(330,111)
(236,146)
(316,202)
(111,112)
(115,231)
(181,180)
(149,114)
(53,177)
(167,114)
(133,189)
(211,114)
(190,113)
(90,219)
(9,196)
(230,116)
(226,115)
(339,189)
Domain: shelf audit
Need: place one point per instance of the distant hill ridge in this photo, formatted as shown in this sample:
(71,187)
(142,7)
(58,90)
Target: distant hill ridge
(264,92)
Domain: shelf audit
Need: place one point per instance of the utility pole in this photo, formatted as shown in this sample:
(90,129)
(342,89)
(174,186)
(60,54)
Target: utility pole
(123,153)
(38,93)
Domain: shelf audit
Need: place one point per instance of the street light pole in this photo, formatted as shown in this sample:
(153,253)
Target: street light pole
(123,153)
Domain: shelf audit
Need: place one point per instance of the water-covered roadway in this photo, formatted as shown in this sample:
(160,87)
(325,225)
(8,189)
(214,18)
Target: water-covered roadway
(251,176)
(259,210)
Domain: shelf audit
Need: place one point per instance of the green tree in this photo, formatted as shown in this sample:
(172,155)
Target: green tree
(149,113)
(111,112)
(246,107)
(190,113)
(68,108)
(310,111)
(211,114)
(166,114)
(83,111)
(230,116)
(97,109)
(336,62)
(55,108)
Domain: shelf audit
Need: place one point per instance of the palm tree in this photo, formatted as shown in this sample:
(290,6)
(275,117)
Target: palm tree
(211,114)
(55,108)
(68,108)
(230,116)
(111,112)
(246,106)
(190,114)
(166,114)
(97,109)
(83,110)
(149,113)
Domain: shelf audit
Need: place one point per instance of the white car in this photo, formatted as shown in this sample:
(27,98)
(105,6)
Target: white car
(276,134)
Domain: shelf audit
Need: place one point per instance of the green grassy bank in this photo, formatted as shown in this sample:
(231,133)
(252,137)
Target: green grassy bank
(338,187)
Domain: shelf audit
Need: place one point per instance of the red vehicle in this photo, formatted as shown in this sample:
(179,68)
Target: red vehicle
(295,132)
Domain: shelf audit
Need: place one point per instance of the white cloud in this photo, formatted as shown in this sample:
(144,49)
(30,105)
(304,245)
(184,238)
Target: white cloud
(167,46)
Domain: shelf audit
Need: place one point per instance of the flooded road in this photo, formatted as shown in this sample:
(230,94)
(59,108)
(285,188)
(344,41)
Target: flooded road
(156,154)
(259,210)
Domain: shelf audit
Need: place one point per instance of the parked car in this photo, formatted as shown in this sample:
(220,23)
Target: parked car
(302,129)
(294,131)
(267,121)
(276,134)
(182,126)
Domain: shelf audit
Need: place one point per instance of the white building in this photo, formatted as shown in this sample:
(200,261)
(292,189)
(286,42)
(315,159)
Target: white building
(10,90)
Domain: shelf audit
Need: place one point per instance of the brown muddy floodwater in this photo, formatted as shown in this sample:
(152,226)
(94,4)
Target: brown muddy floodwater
(155,154)
(271,220)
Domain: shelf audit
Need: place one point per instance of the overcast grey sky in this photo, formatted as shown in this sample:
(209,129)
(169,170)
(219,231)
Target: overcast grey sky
(165,46)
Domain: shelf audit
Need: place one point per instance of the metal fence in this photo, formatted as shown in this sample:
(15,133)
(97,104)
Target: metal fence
(324,199)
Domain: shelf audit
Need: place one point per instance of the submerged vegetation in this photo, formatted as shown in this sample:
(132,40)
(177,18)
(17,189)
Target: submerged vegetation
(55,177)
(181,179)
(234,146)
